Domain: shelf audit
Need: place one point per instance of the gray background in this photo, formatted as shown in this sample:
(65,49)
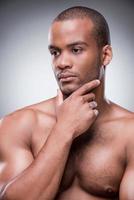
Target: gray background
(26,76)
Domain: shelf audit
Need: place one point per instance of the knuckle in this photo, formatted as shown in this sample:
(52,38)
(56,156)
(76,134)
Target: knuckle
(82,100)
(94,103)
(91,113)
(86,87)
(92,84)
(92,95)
(96,112)
(75,93)
(73,96)
(90,104)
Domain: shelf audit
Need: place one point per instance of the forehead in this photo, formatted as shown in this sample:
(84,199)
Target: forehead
(70,31)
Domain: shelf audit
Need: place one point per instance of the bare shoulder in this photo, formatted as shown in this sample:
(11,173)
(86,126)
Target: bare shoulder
(45,112)
(125,125)
(16,126)
(119,122)
(121,115)
(46,107)
(123,122)
(22,122)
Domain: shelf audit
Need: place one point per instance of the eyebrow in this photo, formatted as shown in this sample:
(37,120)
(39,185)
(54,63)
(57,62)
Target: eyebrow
(77,43)
(69,45)
(53,47)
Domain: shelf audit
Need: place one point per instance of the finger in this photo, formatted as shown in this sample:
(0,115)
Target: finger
(93,104)
(89,97)
(88,87)
(96,112)
(59,97)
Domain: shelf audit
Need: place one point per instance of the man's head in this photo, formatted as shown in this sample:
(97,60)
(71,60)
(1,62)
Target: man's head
(80,45)
(100,30)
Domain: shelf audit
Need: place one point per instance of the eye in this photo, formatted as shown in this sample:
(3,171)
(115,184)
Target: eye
(77,50)
(54,52)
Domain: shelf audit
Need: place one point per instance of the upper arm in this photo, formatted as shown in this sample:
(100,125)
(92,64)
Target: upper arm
(15,153)
(127,183)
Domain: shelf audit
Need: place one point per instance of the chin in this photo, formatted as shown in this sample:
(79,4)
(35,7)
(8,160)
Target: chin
(68,89)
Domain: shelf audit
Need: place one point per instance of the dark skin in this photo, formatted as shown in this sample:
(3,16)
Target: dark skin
(77,145)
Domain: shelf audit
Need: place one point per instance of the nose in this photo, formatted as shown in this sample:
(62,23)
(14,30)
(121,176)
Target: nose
(64,61)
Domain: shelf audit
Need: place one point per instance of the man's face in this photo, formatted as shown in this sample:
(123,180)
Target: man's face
(75,54)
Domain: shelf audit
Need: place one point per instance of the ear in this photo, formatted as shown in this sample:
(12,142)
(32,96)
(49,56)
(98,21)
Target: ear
(107,55)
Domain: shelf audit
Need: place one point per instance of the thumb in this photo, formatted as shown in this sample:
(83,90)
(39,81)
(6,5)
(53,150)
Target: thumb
(59,97)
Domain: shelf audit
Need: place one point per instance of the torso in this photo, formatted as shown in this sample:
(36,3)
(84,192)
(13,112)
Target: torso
(95,165)
(98,168)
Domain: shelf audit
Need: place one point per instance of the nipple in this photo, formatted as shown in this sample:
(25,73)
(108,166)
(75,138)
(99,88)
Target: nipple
(110,190)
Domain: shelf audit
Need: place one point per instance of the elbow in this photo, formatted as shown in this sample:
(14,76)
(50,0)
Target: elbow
(10,193)
(3,197)
(3,193)
(7,194)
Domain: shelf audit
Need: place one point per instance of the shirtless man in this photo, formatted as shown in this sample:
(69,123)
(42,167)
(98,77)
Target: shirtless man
(77,145)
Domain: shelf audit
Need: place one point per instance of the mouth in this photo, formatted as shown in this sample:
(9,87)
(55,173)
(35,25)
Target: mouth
(65,77)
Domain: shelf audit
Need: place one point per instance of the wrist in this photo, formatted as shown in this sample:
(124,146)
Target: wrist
(66,134)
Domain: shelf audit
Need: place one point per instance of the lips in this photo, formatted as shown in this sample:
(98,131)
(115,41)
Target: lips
(65,75)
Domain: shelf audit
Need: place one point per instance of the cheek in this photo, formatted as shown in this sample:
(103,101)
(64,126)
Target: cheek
(53,66)
(87,62)
(88,67)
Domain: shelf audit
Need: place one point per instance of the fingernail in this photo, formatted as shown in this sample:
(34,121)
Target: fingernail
(95,103)
(96,112)
(98,81)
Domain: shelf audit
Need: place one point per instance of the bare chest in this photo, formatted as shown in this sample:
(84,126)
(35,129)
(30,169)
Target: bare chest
(96,166)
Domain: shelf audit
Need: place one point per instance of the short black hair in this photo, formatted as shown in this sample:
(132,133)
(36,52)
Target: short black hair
(101,30)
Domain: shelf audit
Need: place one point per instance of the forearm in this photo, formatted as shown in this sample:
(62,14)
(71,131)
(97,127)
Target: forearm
(42,178)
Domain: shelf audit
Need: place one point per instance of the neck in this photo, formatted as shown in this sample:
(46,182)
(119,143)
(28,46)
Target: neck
(103,108)
(103,103)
